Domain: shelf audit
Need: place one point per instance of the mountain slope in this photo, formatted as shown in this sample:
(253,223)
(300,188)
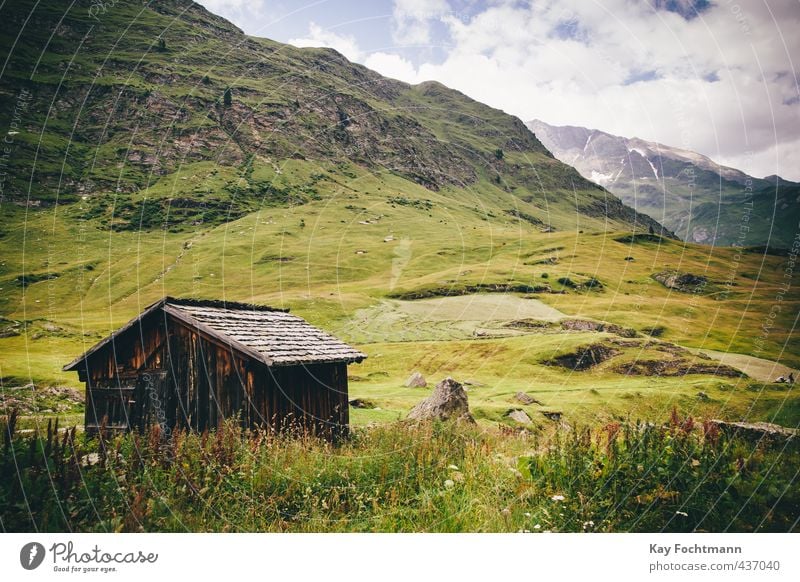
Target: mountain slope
(689,193)
(117,100)
(315,185)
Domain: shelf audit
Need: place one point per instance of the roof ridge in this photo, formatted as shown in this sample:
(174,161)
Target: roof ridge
(222,304)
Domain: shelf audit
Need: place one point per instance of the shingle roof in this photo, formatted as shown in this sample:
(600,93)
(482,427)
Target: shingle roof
(282,338)
(272,336)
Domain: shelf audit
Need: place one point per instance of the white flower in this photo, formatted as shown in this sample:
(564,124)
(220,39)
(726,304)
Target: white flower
(527,514)
(683,513)
(557,498)
(537,526)
(452,467)
(449,484)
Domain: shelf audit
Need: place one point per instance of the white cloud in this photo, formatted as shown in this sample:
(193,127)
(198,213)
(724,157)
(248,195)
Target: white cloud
(393,66)
(319,37)
(723,84)
(243,13)
(412,20)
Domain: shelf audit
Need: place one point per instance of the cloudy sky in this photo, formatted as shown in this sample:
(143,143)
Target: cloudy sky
(718,77)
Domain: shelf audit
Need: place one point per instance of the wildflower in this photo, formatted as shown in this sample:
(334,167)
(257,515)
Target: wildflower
(557,498)
(683,513)
(527,514)
(506,511)
(449,484)
(537,526)
(588,524)
(452,467)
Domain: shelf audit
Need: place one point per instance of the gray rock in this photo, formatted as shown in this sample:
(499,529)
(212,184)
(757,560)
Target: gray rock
(524,398)
(416,380)
(448,402)
(519,416)
(552,415)
(762,432)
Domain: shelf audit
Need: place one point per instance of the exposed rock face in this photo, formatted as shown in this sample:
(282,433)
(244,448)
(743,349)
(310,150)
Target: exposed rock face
(519,416)
(586,325)
(448,402)
(584,358)
(31,399)
(555,416)
(761,431)
(416,380)
(652,177)
(677,367)
(683,282)
(524,398)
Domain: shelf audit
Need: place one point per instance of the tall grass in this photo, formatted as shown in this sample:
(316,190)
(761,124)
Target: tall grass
(428,477)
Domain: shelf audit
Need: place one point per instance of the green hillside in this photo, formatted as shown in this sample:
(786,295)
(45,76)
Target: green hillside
(113,104)
(353,200)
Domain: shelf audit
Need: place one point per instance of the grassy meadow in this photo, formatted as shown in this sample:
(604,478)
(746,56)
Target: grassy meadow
(679,476)
(446,283)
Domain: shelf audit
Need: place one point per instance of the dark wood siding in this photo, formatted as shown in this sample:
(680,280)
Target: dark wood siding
(164,371)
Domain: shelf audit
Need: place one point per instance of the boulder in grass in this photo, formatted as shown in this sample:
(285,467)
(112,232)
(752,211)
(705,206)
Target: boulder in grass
(524,398)
(519,416)
(416,380)
(553,415)
(448,402)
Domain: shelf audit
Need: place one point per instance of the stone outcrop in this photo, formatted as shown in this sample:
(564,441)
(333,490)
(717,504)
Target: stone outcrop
(762,432)
(448,402)
(416,380)
(519,416)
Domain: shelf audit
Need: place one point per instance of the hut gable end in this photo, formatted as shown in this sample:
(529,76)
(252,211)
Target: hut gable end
(191,363)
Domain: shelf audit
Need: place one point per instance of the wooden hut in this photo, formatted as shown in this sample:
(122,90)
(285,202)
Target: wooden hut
(185,363)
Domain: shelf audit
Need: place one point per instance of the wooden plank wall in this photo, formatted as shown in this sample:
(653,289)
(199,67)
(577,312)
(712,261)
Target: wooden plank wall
(111,374)
(211,382)
(182,378)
